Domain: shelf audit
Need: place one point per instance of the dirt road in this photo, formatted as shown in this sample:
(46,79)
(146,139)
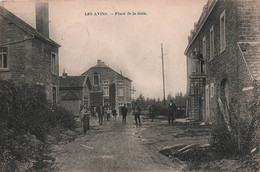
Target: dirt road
(111,147)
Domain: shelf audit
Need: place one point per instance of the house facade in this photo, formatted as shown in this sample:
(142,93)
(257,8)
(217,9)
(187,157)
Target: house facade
(108,87)
(74,93)
(28,54)
(223,59)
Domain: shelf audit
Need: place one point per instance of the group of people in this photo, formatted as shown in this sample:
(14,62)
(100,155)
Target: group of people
(136,113)
(105,111)
(101,111)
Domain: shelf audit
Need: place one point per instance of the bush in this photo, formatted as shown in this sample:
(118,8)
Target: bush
(25,113)
(223,141)
(64,118)
(161,110)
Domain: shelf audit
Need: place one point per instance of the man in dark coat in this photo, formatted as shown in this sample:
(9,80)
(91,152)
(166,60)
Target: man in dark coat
(114,114)
(124,111)
(152,112)
(136,113)
(100,112)
(171,112)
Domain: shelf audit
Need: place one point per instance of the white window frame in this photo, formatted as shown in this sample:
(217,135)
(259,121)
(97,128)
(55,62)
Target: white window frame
(211,38)
(2,53)
(222,31)
(54,63)
(212,90)
(120,104)
(105,82)
(120,91)
(106,91)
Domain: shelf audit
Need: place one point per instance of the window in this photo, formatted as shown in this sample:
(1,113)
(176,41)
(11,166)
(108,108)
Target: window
(3,57)
(96,79)
(106,91)
(193,61)
(106,82)
(54,94)
(204,54)
(204,51)
(120,104)
(222,32)
(211,42)
(54,63)
(121,91)
(120,82)
(211,90)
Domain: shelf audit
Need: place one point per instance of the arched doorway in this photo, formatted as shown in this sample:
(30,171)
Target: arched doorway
(224,92)
(224,100)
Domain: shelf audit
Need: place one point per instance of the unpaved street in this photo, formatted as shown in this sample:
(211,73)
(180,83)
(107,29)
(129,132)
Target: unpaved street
(117,147)
(110,147)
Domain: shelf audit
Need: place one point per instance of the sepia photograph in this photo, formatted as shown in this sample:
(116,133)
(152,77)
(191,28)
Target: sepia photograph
(129,86)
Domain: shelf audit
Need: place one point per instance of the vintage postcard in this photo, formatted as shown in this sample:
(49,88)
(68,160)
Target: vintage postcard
(134,85)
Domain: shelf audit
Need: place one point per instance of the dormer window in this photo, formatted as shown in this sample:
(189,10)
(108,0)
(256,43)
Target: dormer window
(96,79)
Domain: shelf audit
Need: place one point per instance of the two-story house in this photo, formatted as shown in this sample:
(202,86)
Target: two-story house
(108,87)
(223,58)
(28,54)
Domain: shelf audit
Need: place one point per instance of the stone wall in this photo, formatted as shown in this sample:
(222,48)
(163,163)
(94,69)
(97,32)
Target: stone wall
(227,64)
(29,60)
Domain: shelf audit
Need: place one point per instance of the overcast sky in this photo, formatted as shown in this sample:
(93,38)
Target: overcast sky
(130,43)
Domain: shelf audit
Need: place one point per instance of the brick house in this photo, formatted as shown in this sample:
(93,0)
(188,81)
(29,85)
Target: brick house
(28,54)
(108,87)
(223,59)
(74,92)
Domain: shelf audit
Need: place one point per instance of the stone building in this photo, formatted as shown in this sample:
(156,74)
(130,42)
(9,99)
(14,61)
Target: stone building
(28,54)
(108,87)
(223,59)
(74,92)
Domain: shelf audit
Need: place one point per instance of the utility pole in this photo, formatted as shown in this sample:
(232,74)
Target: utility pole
(163,75)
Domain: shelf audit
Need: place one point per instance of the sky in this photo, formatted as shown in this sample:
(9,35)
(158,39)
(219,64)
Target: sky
(127,43)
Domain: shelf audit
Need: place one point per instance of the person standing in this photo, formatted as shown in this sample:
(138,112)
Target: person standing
(124,111)
(85,119)
(108,113)
(152,112)
(100,112)
(114,114)
(171,112)
(136,113)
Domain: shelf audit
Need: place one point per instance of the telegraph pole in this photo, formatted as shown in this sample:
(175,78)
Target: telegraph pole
(163,75)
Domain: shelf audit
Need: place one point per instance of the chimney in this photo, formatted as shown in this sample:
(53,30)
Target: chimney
(189,38)
(98,61)
(192,33)
(64,74)
(196,26)
(42,18)
(205,8)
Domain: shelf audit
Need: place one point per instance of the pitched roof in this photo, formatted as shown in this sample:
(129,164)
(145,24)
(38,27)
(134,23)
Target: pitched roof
(70,95)
(103,66)
(72,81)
(24,26)
(251,54)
